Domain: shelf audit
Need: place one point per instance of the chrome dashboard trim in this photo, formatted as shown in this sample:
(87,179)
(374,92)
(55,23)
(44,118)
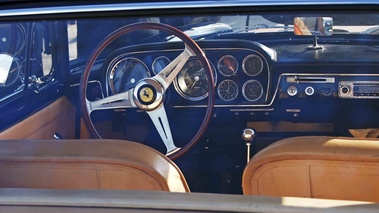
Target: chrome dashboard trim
(310,79)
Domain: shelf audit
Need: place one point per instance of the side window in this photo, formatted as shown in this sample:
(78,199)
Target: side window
(41,58)
(72,39)
(12,58)
(20,69)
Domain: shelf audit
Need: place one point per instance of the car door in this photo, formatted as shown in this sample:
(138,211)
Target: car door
(33,60)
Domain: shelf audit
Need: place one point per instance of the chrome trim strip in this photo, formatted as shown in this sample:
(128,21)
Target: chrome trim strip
(252,110)
(155,6)
(309,79)
(329,74)
(292,110)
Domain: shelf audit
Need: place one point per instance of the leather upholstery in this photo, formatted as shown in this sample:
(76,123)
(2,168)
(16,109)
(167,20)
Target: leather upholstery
(316,167)
(58,117)
(87,164)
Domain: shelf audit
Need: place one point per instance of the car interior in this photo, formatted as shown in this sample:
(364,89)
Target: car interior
(220,106)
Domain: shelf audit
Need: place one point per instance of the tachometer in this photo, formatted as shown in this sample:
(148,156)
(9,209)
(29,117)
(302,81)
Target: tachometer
(192,82)
(252,65)
(227,90)
(125,73)
(227,66)
(252,90)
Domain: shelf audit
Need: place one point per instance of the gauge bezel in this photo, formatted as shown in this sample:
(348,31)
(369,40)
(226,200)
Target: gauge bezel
(111,68)
(222,59)
(180,91)
(244,89)
(245,61)
(155,61)
(223,82)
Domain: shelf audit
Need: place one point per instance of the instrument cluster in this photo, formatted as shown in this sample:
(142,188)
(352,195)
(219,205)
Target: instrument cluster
(241,76)
(251,87)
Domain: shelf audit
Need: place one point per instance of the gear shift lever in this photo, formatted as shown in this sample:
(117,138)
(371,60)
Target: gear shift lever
(248,136)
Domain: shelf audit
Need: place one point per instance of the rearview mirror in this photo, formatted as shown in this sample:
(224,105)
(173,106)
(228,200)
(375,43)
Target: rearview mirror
(321,26)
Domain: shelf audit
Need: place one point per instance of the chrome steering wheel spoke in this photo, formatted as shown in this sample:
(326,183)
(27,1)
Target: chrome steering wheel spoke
(118,101)
(160,121)
(168,74)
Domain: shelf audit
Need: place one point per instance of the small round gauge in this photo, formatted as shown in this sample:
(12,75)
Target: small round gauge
(160,63)
(252,65)
(191,82)
(125,73)
(227,66)
(252,90)
(227,90)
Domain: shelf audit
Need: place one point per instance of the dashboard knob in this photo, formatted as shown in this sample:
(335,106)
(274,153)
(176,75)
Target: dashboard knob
(292,90)
(309,91)
(345,90)
(327,91)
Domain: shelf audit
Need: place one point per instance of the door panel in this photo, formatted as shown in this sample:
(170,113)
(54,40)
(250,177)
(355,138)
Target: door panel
(58,117)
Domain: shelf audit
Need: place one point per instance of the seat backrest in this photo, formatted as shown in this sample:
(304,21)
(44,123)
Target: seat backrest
(87,164)
(316,167)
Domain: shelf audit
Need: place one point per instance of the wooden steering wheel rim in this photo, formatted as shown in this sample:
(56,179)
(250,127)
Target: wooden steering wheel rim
(154,26)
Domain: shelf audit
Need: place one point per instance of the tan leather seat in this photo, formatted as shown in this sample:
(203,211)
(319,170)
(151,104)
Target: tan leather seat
(316,167)
(87,164)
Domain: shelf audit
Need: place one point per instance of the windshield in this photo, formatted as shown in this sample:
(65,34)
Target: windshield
(200,27)
(342,24)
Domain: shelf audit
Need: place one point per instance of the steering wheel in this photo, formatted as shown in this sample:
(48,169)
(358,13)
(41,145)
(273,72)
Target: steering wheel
(149,93)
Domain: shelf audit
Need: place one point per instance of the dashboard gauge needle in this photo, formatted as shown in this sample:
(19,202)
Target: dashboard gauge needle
(196,79)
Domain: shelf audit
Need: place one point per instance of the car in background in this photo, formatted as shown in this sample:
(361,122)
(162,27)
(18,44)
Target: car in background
(242,103)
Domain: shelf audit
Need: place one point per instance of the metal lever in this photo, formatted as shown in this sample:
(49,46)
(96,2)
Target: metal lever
(57,136)
(248,136)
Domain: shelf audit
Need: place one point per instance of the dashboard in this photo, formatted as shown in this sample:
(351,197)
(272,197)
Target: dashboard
(254,80)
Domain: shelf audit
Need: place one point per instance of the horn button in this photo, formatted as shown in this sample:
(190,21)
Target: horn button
(148,94)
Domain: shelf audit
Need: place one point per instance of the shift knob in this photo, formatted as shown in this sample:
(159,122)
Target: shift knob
(248,135)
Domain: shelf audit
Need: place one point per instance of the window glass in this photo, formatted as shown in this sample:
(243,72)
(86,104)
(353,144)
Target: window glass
(12,58)
(41,60)
(20,69)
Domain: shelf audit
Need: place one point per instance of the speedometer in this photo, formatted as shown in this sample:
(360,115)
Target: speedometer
(192,82)
(124,73)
